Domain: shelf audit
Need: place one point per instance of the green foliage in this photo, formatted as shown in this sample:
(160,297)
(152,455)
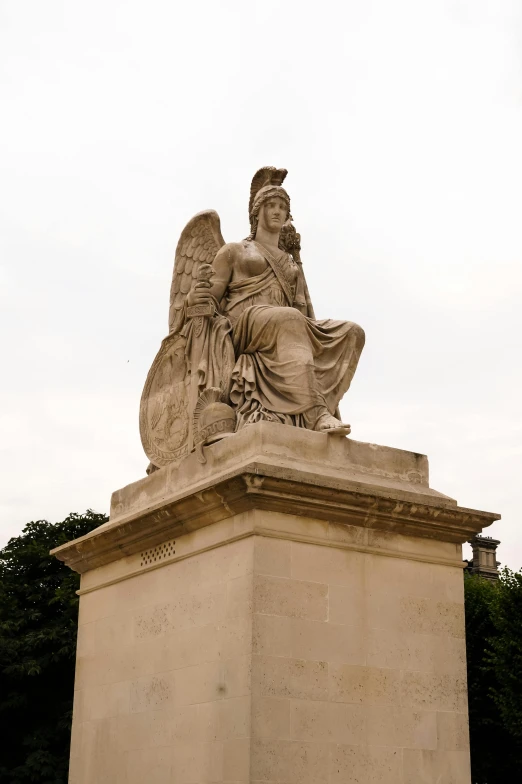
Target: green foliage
(494,657)
(38,623)
(505,658)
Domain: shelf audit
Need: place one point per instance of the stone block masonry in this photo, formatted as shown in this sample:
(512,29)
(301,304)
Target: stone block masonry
(290,612)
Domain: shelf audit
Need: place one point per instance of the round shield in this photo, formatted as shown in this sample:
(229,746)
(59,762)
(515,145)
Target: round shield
(164,417)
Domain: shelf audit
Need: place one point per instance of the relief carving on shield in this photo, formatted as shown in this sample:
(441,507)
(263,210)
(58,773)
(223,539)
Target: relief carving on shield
(164,417)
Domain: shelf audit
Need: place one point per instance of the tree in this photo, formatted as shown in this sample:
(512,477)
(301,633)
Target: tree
(494,659)
(505,657)
(38,625)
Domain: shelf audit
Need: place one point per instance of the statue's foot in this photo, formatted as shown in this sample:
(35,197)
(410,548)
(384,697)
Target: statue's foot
(331,425)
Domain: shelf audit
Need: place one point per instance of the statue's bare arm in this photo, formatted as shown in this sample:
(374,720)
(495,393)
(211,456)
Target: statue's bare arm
(223,266)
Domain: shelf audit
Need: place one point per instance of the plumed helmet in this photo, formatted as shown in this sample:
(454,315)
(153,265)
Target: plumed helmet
(213,419)
(266,184)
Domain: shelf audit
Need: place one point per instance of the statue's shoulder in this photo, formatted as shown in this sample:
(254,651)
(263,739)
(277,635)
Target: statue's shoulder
(233,250)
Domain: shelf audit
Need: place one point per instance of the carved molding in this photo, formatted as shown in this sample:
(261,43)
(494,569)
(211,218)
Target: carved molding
(261,486)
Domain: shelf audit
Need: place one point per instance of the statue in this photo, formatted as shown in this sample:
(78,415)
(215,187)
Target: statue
(243,344)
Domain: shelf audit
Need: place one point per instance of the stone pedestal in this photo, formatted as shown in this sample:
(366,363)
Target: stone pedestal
(291,611)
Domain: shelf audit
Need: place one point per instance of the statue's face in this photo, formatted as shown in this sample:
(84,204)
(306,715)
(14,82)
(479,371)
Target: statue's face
(273,214)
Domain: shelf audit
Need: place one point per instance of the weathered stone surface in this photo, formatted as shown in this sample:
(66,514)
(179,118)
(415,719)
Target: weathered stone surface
(291,613)
(363,495)
(273,603)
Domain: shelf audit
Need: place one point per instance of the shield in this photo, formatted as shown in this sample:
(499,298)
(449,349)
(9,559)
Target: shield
(164,415)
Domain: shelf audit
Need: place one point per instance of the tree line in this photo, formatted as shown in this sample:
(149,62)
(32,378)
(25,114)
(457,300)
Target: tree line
(38,622)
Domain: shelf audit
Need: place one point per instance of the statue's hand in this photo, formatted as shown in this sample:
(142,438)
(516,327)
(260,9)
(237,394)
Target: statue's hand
(200,294)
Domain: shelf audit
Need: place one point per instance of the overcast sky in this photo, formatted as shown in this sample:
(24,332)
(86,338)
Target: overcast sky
(400,122)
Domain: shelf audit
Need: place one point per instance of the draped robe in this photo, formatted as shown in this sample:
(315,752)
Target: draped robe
(287,362)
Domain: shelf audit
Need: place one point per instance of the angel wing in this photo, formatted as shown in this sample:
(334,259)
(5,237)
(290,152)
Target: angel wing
(199,242)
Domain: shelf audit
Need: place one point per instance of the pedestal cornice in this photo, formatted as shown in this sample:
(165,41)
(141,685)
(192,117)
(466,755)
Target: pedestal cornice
(277,468)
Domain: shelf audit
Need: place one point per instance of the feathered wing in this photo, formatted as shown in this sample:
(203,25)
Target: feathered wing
(199,242)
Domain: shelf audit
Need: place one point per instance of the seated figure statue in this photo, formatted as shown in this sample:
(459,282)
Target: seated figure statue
(243,338)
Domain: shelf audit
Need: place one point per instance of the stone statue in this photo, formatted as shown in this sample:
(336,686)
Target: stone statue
(243,343)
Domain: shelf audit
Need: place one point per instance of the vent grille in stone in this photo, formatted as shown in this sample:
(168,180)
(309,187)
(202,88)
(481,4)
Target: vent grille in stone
(158,553)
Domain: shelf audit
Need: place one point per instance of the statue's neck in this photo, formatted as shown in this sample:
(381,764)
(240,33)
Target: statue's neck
(268,239)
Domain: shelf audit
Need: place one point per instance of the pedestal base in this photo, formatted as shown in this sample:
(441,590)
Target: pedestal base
(291,612)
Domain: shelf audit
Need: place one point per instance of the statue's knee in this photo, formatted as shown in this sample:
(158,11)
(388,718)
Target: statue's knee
(291,314)
(359,335)
(286,315)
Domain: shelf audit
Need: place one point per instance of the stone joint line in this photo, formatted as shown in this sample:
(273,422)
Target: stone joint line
(271,534)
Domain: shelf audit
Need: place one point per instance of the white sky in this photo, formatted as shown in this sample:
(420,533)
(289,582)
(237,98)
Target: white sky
(400,122)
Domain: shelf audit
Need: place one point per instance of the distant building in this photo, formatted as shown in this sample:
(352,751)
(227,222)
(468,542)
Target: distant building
(484,561)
